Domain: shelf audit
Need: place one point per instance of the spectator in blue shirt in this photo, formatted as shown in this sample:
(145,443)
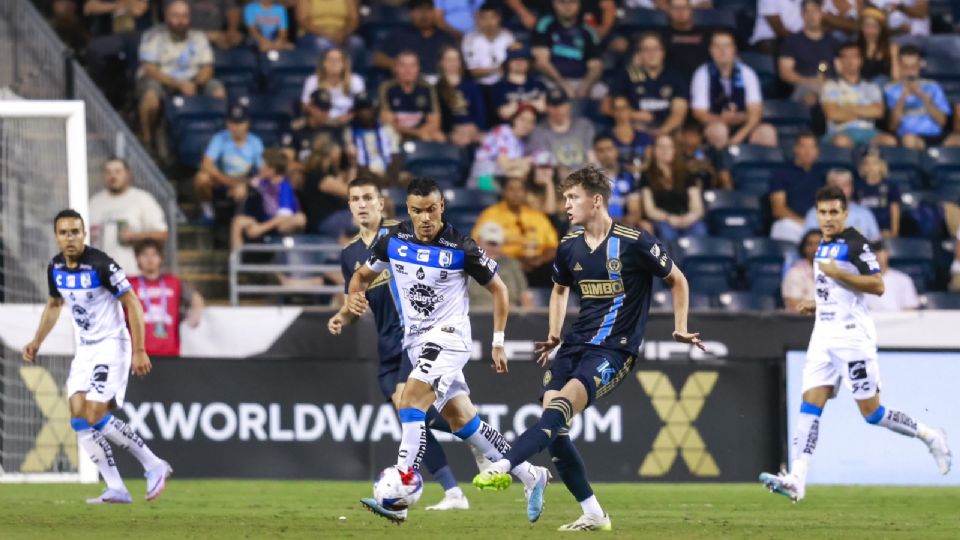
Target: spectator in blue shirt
(918,107)
(879,194)
(232,157)
(793,190)
(458,17)
(267,24)
(462,112)
(424,38)
(271,206)
(567,51)
(858,217)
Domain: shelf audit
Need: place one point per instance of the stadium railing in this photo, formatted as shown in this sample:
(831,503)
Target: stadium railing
(285,257)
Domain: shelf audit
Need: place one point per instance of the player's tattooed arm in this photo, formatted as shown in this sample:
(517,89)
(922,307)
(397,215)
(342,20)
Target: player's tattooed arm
(681,306)
(356,297)
(131,304)
(51,313)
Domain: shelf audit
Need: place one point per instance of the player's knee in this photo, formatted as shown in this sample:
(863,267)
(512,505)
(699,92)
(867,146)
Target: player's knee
(874,416)
(79,424)
(559,410)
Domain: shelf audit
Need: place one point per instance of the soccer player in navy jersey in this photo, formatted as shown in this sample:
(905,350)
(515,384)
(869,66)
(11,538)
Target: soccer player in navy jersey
(612,268)
(366,205)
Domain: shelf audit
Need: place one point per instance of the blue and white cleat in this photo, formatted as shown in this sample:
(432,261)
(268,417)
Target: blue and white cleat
(112,496)
(940,451)
(396,516)
(157,480)
(785,484)
(535,493)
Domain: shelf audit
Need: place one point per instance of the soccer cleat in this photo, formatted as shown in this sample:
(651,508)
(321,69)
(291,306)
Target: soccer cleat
(534,493)
(589,522)
(452,502)
(490,479)
(940,450)
(112,496)
(157,480)
(396,516)
(785,484)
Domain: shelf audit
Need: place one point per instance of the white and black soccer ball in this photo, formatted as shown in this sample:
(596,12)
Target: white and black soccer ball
(396,490)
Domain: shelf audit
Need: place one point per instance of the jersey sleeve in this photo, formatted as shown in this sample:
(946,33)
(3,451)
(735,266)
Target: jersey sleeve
(652,255)
(379,259)
(52,283)
(477,264)
(862,257)
(561,272)
(112,277)
(346,271)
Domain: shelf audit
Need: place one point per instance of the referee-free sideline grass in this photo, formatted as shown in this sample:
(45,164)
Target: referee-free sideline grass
(206,509)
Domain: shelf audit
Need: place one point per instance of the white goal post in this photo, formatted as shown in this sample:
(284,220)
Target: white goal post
(39,164)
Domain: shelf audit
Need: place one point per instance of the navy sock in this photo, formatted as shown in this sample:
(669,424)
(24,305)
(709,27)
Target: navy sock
(570,466)
(436,421)
(445,478)
(555,417)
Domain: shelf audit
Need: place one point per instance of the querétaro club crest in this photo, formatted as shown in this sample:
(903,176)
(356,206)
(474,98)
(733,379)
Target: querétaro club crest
(423,299)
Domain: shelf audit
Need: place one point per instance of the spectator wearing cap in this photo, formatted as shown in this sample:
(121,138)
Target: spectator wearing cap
(267,25)
(328,23)
(174,59)
(232,157)
(569,139)
(567,51)
(858,217)
(485,49)
(463,114)
(672,199)
(529,235)
(726,98)
(271,205)
(918,107)
(624,204)
(793,190)
(656,96)
(424,39)
(687,46)
(797,286)
(504,150)
(906,17)
(167,301)
(219,20)
(122,215)
(776,19)
(631,143)
(334,76)
(806,57)
(409,104)
(899,291)
(852,105)
(877,193)
(517,86)
(490,238)
(372,147)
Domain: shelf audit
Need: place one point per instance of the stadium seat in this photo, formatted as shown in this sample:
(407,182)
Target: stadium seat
(194,113)
(940,300)
(664,300)
(269,115)
(714,19)
(941,69)
(286,69)
(740,301)
(789,117)
(834,157)
(378,19)
(468,200)
(762,260)
(766,70)
(945,46)
(753,167)
(439,161)
(731,214)
(709,263)
(905,165)
(237,69)
(913,256)
(943,165)
(191,145)
(637,21)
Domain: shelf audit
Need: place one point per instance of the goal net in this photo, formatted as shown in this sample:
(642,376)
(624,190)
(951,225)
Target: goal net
(43,169)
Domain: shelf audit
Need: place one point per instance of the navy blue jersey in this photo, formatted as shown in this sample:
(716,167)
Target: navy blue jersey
(654,95)
(411,109)
(613,282)
(571,47)
(504,92)
(878,199)
(381,294)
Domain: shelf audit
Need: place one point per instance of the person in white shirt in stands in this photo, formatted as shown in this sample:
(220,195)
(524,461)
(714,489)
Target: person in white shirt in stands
(776,19)
(899,292)
(485,49)
(334,75)
(122,216)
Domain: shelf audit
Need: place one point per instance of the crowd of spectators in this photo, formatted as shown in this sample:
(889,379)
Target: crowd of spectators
(524,93)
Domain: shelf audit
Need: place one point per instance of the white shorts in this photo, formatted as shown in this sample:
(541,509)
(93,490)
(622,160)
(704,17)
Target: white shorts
(439,363)
(101,370)
(857,366)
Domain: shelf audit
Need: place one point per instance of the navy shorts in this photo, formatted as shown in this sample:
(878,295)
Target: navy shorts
(600,370)
(393,370)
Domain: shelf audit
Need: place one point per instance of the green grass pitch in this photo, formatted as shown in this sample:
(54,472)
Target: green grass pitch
(305,509)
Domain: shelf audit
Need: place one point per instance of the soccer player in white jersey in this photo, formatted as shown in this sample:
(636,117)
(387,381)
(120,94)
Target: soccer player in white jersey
(843,346)
(96,291)
(431,262)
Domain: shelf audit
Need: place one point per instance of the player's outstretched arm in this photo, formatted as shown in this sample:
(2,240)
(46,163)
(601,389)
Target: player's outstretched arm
(681,307)
(557,312)
(501,310)
(361,280)
(49,318)
(867,283)
(131,304)
(341,318)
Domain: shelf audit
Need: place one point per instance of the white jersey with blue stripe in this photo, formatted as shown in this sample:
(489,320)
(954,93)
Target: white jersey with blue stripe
(430,280)
(842,313)
(91,291)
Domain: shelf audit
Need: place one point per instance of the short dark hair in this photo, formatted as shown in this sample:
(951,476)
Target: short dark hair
(911,50)
(604,137)
(423,186)
(118,159)
(407,52)
(592,179)
(66,213)
(276,160)
(847,45)
(365,180)
(723,32)
(147,244)
(804,3)
(489,6)
(417,4)
(831,193)
(806,236)
(805,134)
(649,35)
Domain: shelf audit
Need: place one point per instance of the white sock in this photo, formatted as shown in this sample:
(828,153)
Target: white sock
(100,453)
(924,432)
(492,444)
(413,439)
(591,505)
(207,209)
(455,492)
(119,433)
(804,444)
(482,461)
(898,422)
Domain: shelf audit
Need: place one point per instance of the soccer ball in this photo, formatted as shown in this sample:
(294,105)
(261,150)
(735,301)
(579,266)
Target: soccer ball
(396,490)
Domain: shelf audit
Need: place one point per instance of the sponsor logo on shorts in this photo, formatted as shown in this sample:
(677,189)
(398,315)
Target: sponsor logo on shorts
(98,380)
(857,370)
